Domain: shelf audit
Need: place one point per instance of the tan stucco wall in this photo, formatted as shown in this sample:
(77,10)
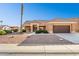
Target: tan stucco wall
(49,27)
(75,27)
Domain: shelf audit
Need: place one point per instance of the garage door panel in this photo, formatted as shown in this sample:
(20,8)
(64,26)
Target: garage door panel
(61,29)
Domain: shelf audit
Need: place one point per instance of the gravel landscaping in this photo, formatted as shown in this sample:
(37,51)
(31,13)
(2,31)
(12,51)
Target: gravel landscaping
(12,39)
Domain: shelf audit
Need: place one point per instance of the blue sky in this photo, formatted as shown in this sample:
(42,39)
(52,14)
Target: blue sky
(10,13)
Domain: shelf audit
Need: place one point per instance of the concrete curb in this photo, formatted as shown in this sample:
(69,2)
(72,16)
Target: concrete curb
(52,49)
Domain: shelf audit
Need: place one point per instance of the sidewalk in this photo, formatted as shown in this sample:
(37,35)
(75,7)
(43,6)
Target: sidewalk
(50,49)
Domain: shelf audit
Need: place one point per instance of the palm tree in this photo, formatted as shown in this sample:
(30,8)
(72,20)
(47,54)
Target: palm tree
(1,22)
(21,17)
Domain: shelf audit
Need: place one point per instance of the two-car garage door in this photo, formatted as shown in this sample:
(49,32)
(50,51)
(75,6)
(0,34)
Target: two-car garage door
(61,29)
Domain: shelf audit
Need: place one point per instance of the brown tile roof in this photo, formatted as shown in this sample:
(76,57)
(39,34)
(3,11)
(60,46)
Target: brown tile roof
(66,20)
(52,20)
(36,21)
(74,19)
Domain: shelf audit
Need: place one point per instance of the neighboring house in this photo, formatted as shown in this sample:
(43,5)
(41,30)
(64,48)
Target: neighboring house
(5,27)
(0,27)
(53,26)
(14,27)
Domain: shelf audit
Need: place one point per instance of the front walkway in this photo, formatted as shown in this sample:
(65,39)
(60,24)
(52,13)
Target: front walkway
(73,37)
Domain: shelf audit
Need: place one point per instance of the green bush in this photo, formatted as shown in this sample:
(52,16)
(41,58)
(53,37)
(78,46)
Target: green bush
(8,31)
(41,31)
(38,31)
(23,30)
(2,32)
(15,30)
(45,31)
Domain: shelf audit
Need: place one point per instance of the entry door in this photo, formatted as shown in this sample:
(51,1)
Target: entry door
(61,29)
(34,28)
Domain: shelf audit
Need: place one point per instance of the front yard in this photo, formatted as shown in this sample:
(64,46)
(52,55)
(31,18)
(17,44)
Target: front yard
(12,39)
(36,39)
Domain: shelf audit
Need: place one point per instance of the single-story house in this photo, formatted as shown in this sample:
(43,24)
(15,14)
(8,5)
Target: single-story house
(5,27)
(53,26)
(14,27)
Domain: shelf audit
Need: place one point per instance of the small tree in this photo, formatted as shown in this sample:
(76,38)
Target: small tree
(2,32)
(15,30)
(23,30)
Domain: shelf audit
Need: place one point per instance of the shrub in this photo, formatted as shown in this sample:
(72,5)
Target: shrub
(2,32)
(15,30)
(45,31)
(8,31)
(23,30)
(41,31)
(38,31)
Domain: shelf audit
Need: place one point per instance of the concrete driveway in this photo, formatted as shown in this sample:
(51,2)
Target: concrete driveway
(44,39)
(73,37)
